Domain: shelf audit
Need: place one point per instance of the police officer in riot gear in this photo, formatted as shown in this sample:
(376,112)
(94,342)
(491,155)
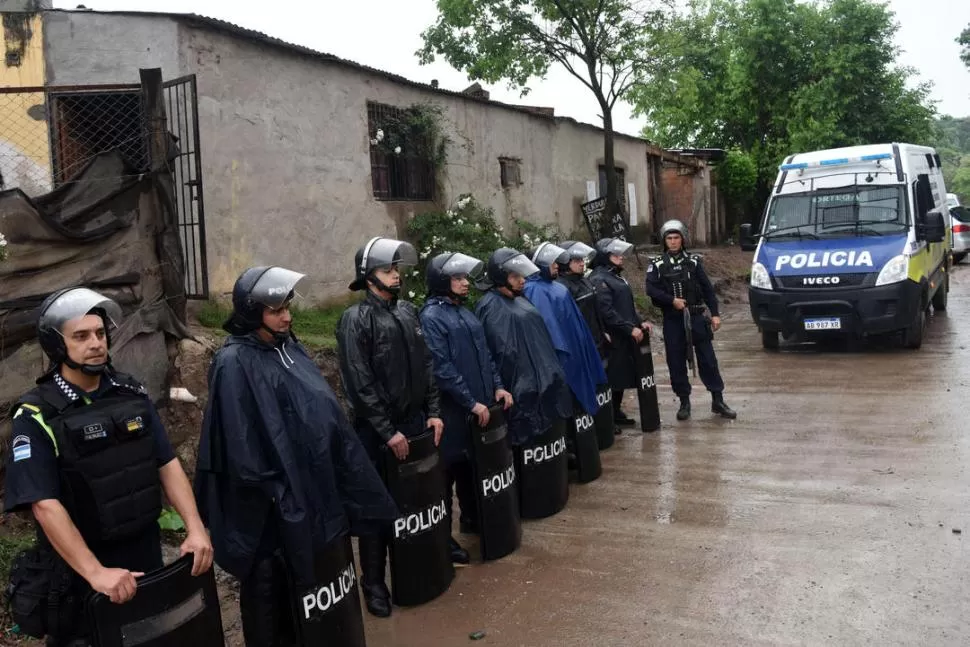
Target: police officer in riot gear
(677,282)
(388,377)
(614,301)
(281,477)
(465,373)
(572,274)
(90,458)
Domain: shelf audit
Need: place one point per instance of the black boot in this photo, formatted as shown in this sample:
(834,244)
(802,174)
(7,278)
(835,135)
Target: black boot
(683,413)
(620,419)
(720,407)
(266,620)
(373,556)
(458,554)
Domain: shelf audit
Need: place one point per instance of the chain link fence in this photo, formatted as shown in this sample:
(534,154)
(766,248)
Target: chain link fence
(25,160)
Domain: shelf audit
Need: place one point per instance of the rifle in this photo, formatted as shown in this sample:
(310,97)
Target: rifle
(690,341)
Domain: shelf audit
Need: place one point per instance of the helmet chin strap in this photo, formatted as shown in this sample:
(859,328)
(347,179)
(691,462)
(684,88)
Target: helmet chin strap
(380,285)
(88,369)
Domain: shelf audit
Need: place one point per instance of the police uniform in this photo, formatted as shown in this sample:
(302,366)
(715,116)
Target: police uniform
(682,276)
(98,453)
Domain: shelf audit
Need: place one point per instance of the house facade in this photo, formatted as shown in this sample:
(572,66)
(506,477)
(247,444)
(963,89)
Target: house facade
(290,173)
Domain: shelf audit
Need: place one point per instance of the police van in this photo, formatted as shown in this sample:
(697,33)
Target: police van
(853,241)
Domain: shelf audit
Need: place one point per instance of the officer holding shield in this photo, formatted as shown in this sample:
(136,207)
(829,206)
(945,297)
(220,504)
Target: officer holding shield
(389,380)
(677,282)
(282,479)
(90,458)
(465,373)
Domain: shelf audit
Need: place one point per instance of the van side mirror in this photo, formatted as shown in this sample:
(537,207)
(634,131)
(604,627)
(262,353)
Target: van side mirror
(747,237)
(931,226)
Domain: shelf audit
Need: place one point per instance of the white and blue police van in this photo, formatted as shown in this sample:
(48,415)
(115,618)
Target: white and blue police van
(853,241)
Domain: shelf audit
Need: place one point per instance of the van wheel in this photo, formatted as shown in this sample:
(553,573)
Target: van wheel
(940,298)
(913,336)
(769,340)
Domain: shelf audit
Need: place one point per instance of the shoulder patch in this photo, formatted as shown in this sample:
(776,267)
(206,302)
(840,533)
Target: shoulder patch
(21,448)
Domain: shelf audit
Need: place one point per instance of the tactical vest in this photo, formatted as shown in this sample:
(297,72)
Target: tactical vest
(680,279)
(105,453)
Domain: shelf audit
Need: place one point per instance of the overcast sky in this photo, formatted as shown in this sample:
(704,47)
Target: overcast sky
(385,34)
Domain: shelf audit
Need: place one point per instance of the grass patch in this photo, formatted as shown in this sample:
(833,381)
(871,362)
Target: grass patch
(647,309)
(315,327)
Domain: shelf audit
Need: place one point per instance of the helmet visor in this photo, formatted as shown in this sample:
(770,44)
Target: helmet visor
(582,251)
(547,254)
(520,264)
(77,303)
(618,247)
(461,264)
(381,252)
(273,288)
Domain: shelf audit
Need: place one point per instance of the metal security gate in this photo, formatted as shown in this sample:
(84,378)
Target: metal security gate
(182,108)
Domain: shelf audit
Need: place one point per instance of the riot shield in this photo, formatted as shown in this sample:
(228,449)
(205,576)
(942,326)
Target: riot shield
(328,613)
(647,388)
(582,437)
(171,608)
(605,426)
(421,567)
(495,486)
(542,466)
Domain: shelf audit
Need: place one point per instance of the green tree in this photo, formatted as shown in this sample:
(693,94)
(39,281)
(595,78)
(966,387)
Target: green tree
(773,77)
(964,39)
(599,42)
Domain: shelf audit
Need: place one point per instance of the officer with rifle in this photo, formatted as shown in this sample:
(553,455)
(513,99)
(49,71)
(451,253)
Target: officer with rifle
(90,458)
(678,284)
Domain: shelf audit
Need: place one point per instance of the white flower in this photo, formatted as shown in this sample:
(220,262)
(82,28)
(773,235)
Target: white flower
(380,135)
(397,150)
(374,142)
(3,241)
(451,213)
(424,255)
(477,226)
(461,221)
(464,202)
(411,294)
(497,235)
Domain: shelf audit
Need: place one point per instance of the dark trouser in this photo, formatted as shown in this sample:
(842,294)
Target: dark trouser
(461,477)
(373,563)
(264,604)
(617,401)
(675,341)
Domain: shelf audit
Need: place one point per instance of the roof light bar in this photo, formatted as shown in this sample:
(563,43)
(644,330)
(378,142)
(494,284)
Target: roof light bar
(839,161)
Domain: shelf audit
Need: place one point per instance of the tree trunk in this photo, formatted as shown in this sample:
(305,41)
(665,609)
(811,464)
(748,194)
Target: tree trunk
(612,199)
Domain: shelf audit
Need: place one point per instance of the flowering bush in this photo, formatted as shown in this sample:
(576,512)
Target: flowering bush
(3,247)
(466,227)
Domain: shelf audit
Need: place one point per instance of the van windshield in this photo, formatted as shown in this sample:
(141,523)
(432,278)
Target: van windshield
(838,213)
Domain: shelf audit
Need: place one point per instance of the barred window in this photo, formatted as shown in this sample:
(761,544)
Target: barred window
(510,169)
(398,170)
(85,124)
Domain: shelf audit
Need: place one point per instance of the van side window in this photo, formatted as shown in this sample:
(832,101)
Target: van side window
(922,194)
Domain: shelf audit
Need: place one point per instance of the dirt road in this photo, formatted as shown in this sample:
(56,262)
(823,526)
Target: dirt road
(827,514)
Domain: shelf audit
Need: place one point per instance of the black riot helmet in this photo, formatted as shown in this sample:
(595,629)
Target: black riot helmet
(547,254)
(503,262)
(63,306)
(575,250)
(380,252)
(256,289)
(444,267)
(607,246)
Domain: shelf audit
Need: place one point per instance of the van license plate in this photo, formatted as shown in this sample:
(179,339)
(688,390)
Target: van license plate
(832,323)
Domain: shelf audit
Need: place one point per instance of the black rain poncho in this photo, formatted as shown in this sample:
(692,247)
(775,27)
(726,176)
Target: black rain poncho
(276,448)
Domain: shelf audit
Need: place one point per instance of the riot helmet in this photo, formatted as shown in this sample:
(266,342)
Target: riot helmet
(673,227)
(576,250)
(505,261)
(381,252)
(258,288)
(545,256)
(444,267)
(63,306)
(607,246)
